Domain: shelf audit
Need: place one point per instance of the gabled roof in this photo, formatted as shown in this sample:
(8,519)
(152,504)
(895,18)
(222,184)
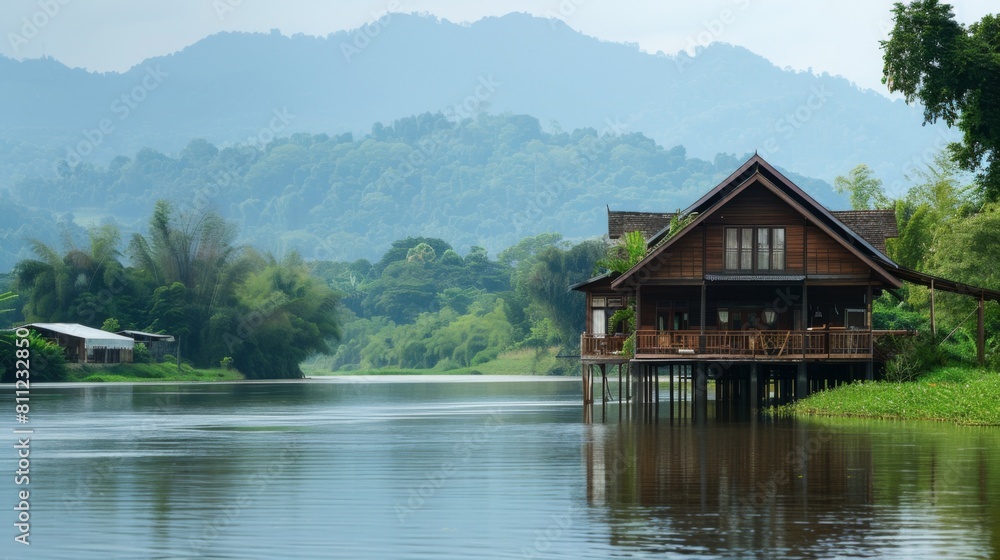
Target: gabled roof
(91,335)
(757,166)
(758,171)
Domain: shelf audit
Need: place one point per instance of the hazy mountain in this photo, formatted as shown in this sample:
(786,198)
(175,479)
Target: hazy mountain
(238,87)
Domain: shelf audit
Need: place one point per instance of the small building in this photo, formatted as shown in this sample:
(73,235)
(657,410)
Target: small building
(763,290)
(159,345)
(86,344)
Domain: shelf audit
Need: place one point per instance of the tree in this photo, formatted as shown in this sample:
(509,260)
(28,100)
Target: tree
(864,189)
(544,284)
(931,207)
(284,316)
(626,253)
(954,72)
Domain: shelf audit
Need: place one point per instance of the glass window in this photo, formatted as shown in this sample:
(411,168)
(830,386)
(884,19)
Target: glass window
(732,249)
(749,249)
(600,322)
(763,249)
(746,249)
(778,251)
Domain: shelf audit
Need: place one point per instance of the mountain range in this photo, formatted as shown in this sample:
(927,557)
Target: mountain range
(248,89)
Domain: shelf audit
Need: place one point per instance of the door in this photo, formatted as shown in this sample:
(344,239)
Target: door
(672,319)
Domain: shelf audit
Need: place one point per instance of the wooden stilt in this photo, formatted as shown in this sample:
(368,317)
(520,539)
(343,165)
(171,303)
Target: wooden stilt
(700,389)
(657,384)
(981,333)
(933,321)
(801,382)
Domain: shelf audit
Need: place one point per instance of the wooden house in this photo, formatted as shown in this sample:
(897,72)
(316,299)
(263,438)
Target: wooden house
(762,285)
(86,344)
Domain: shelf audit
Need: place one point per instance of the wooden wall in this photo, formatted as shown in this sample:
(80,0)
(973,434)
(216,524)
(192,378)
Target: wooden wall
(757,206)
(682,260)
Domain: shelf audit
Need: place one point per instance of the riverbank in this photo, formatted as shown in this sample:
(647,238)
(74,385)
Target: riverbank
(963,395)
(138,373)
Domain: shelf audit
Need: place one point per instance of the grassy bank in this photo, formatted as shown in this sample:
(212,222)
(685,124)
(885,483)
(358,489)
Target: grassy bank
(515,362)
(136,373)
(962,395)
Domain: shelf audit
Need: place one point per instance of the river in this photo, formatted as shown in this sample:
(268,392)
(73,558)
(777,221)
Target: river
(477,467)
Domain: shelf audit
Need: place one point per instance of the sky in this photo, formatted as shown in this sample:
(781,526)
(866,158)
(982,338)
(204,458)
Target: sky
(840,37)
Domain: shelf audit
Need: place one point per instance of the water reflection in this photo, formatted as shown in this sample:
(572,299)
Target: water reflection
(799,489)
(463,469)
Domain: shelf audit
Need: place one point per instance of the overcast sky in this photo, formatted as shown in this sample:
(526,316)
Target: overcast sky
(837,37)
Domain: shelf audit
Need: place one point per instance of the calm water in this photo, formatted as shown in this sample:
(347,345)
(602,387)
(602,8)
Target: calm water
(480,469)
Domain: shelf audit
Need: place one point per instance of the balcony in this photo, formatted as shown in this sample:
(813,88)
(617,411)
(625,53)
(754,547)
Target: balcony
(833,344)
(601,346)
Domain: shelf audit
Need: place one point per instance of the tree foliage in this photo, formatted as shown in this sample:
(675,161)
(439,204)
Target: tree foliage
(864,189)
(187,279)
(954,71)
(624,254)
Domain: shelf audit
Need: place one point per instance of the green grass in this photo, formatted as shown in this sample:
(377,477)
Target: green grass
(137,373)
(961,395)
(514,362)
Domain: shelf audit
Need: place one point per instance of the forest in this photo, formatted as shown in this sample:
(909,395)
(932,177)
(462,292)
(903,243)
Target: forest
(488,181)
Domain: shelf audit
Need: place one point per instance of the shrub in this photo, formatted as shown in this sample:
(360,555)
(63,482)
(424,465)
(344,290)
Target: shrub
(912,356)
(47,361)
(141,354)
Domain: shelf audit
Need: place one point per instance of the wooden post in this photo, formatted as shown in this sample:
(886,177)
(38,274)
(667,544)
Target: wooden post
(700,394)
(933,322)
(604,384)
(805,310)
(672,401)
(801,382)
(657,386)
(619,383)
(634,374)
(981,333)
(701,337)
(871,335)
(754,388)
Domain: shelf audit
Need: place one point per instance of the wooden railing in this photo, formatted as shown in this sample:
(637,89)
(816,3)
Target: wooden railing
(856,344)
(760,344)
(601,345)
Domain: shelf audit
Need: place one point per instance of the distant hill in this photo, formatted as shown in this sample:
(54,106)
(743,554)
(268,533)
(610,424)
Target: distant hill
(488,181)
(239,87)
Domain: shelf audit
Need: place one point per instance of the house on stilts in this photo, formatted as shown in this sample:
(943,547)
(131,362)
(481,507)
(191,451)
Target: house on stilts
(763,291)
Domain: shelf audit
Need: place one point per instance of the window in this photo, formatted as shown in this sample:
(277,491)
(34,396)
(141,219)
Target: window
(601,310)
(764,249)
(599,323)
(751,249)
(778,249)
(732,248)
